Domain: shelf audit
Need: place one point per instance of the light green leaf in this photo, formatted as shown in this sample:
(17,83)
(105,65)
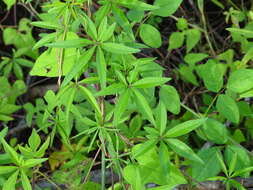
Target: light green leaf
(170,98)
(76,68)
(241,80)
(176,40)
(33,162)
(167,7)
(145,147)
(112,89)
(150,82)
(150,36)
(184,128)
(75,43)
(11,182)
(245,32)
(12,153)
(9,3)
(121,106)
(161,117)
(34,140)
(25,181)
(44,40)
(46,25)
(193,58)
(141,101)
(118,48)
(192,38)
(183,150)
(101,67)
(228,108)
(92,100)
(7,169)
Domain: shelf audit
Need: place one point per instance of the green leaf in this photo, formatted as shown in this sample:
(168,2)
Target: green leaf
(212,74)
(47,64)
(242,171)
(33,162)
(76,68)
(228,108)
(12,153)
(145,147)
(44,40)
(9,3)
(248,56)
(118,48)
(142,102)
(161,117)
(34,140)
(90,27)
(192,38)
(11,182)
(150,36)
(170,98)
(132,175)
(184,128)
(215,131)
(101,67)
(241,80)
(7,169)
(187,74)
(112,89)
(25,181)
(193,58)
(166,7)
(75,43)
(176,40)
(46,25)
(150,82)
(138,5)
(121,106)
(210,168)
(183,150)
(92,100)
(245,32)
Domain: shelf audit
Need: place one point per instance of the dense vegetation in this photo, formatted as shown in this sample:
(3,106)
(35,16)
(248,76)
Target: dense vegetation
(126,94)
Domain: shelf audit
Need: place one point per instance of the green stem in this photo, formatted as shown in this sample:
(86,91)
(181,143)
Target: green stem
(190,110)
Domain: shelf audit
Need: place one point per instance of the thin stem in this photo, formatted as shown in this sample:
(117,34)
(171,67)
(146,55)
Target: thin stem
(103,171)
(48,179)
(190,110)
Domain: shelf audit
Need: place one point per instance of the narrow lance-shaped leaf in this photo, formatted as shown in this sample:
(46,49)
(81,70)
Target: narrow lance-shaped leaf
(118,48)
(75,43)
(11,182)
(149,82)
(145,147)
(25,181)
(81,63)
(161,117)
(121,106)
(14,156)
(183,150)
(140,100)
(92,100)
(7,169)
(101,67)
(184,128)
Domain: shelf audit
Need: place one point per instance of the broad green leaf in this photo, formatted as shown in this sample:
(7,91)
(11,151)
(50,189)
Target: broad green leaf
(242,171)
(166,7)
(11,182)
(7,169)
(33,162)
(108,33)
(176,40)
(118,48)
(248,56)
(75,43)
(187,74)
(193,58)
(212,74)
(164,158)
(215,131)
(170,98)
(76,68)
(132,175)
(121,106)
(101,67)
(183,150)
(150,82)
(9,3)
(43,148)
(136,4)
(47,64)
(90,27)
(142,102)
(192,38)
(210,168)
(112,89)
(25,181)
(241,80)
(150,36)
(92,100)
(228,108)
(184,128)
